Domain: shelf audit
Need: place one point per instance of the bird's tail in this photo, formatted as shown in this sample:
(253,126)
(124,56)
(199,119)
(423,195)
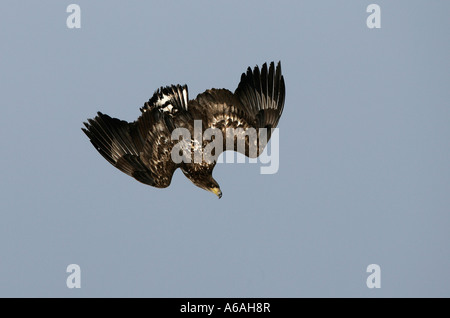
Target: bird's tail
(169,99)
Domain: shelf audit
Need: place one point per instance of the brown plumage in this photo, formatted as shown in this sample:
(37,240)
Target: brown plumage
(143,149)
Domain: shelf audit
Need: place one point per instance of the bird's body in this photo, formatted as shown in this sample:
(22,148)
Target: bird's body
(145,149)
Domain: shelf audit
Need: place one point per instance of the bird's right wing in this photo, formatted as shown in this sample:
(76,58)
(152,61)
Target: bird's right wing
(262,94)
(244,116)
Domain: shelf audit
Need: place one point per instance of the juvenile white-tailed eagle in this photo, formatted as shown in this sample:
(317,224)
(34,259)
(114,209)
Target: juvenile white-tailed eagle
(143,149)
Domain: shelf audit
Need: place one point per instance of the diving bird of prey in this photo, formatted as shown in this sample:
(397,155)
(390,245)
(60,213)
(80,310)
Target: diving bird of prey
(144,149)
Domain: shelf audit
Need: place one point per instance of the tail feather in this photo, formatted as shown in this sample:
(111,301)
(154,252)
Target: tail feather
(169,99)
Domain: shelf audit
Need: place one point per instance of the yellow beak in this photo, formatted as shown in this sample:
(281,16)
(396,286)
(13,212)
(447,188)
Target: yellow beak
(217,192)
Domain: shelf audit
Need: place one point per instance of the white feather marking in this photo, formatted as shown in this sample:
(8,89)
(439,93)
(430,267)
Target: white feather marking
(163,100)
(185,97)
(168,108)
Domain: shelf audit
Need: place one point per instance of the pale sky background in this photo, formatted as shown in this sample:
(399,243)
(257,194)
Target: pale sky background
(364,173)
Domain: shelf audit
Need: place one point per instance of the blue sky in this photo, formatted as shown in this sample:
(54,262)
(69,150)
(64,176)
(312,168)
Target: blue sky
(364,171)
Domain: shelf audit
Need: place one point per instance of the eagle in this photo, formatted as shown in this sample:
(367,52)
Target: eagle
(145,149)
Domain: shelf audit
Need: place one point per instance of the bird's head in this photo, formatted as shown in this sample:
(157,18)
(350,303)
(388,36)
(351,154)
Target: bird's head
(204,181)
(209,184)
(216,191)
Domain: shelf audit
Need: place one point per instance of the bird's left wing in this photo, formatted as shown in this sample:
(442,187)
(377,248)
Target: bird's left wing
(140,149)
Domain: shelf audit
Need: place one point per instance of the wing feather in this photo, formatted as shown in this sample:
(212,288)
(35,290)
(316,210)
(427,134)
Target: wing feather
(257,103)
(135,148)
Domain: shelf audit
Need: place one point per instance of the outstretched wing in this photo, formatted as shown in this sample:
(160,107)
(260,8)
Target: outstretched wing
(262,94)
(141,149)
(246,116)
